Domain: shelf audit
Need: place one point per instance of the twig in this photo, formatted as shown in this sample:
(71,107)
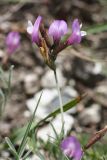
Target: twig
(96,137)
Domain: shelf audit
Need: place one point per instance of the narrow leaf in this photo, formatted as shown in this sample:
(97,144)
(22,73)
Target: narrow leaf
(13,150)
(96,28)
(24,140)
(2,102)
(66,107)
(26,155)
(9,79)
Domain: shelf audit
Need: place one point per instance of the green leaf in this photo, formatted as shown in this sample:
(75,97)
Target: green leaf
(13,150)
(26,155)
(24,140)
(5,92)
(2,102)
(2,77)
(66,107)
(40,156)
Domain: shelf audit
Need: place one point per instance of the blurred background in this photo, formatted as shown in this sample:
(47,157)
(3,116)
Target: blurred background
(81,68)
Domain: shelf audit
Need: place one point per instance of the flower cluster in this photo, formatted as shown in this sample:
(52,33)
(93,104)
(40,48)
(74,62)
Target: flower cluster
(57,30)
(12,41)
(72,148)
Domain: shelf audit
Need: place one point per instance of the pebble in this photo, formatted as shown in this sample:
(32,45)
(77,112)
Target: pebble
(47,132)
(97,68)
(38,70)
(4,128)
(90,115)
(31,83)
(50,101)
(34,157)
(47,96)
(5,154)
(67,94)
(102,89)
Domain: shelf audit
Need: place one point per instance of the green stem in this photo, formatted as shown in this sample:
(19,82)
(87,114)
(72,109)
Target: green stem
(60,98)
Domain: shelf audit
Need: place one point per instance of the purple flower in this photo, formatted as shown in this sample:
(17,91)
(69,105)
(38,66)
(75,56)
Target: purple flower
(33,30)
(12,42)
(57,29)
(77,34)
(72,148)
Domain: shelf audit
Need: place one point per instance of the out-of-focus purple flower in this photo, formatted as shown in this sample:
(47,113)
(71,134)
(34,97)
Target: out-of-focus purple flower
(72,148)
(33,30)
(57,29)
(77,34)
(12,41)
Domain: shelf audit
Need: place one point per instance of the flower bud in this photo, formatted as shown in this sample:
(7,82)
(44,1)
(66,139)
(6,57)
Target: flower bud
(77,34)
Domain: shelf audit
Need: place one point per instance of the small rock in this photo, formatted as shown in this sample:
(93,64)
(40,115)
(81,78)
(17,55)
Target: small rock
(50,101)
(5,154)
(31,83)
(47,96)
(34,157)
(70,91)
(90,115)
(5,128)
(97,68)
(20,74)
(102,90)
(46,132)
(27,114)
(38,70)
(48,80)
(67,95)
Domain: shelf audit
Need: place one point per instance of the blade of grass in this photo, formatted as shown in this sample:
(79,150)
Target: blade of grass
(24,140)
(2,102)
(96,28)
(26,155)
(40,156)
(2,77)
(66,107)
(58,136)
(55,132)
(19,133)
(11,146)
(7,85)
(9,80)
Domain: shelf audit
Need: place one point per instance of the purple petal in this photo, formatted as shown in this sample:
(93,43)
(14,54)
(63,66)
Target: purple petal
(76,35)
(12,42)
(72,148)
(57,29)
(35,32)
